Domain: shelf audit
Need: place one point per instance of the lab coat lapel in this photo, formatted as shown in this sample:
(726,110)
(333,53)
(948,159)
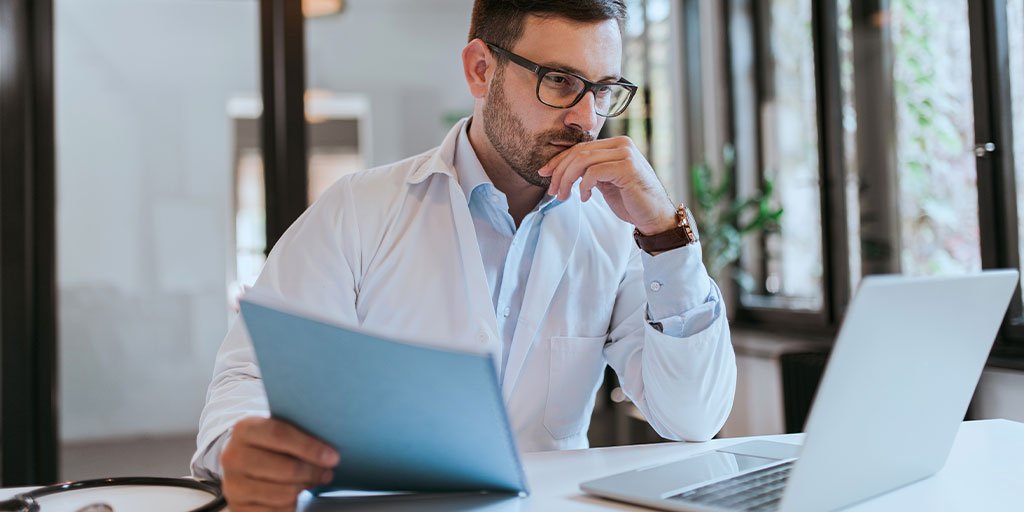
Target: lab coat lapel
(559,231)
(480,315)
(482,309)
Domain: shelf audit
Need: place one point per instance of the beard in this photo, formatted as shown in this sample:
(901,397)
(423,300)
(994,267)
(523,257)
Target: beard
(525,153)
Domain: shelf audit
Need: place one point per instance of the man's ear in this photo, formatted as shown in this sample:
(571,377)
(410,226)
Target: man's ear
(478,64)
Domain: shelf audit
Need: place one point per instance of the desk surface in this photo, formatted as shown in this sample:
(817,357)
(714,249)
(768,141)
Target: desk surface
(983,472)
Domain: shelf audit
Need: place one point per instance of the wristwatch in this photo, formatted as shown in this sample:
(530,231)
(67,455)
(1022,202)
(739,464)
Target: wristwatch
(685,233)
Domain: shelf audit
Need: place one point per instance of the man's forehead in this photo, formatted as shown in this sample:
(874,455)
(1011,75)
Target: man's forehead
(592,50)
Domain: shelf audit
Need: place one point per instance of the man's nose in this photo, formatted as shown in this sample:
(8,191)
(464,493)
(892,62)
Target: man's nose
(583,114)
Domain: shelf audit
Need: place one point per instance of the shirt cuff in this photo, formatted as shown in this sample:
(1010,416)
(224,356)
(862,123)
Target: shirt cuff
(675,281)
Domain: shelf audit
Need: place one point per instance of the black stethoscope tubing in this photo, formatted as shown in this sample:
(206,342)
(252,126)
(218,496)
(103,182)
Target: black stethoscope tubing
(26,502)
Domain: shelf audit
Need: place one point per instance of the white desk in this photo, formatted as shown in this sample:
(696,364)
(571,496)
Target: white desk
(985,472)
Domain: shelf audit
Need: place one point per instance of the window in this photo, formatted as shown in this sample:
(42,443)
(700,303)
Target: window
(887,136)
(784,273)
(787,271)
(937,174)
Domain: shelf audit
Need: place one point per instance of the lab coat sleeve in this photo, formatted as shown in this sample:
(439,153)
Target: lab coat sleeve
(680,295)
(308,267)
(683,384)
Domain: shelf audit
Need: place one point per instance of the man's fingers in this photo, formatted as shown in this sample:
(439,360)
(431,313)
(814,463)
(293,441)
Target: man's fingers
(276,467)
(612,142)
(594,175)
(278,436)
(256,493)
(260,508)
(572,169)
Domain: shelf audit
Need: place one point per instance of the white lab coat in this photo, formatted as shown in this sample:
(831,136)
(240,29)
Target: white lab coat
(393,250)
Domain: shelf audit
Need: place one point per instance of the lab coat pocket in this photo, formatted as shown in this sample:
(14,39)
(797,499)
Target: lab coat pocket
(577,365)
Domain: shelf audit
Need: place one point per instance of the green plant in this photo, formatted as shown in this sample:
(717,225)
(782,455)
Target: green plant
(723,223)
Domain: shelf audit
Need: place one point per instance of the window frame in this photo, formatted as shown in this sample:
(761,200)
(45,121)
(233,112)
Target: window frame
(831,167)
(997,197)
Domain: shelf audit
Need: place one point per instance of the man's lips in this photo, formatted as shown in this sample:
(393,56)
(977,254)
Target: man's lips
(563,145)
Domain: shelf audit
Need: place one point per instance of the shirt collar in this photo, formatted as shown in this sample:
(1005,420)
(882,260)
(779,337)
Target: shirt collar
(468,168)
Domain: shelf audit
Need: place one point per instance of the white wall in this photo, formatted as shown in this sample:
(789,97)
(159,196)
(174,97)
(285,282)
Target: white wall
(405,55)
(144,170)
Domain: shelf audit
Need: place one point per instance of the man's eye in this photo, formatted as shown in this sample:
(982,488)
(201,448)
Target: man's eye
(555,79)
(604,90)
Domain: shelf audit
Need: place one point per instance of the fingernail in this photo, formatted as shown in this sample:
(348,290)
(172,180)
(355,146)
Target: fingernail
(329,456)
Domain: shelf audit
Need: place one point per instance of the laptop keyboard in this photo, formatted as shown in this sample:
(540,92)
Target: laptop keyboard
(756,491)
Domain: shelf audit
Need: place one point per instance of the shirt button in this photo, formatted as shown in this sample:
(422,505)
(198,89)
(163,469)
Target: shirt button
(506,312)
(655,286)
(494,198)
(481,336)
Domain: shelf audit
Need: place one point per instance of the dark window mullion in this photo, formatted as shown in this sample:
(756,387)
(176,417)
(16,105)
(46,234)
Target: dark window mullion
(997,208)
(282,49)
(834,239)
(28,398)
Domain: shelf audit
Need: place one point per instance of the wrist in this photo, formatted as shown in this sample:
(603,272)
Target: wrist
(682,232)
(662,223)
(662,226)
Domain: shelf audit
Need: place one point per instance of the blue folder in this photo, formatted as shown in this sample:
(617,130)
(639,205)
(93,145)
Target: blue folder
(403,417)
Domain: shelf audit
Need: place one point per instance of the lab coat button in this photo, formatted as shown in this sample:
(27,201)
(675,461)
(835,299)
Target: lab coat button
(655,286)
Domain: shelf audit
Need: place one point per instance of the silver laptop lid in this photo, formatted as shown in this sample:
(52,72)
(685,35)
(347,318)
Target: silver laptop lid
(897,385)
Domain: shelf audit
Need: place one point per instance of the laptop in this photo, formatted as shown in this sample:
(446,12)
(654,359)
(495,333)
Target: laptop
(896,388)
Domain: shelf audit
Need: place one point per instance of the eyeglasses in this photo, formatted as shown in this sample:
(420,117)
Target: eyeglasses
(562,89)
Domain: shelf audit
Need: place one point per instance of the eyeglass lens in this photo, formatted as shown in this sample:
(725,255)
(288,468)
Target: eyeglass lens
(561,90)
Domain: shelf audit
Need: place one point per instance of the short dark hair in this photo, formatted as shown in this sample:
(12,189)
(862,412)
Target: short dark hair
(500,22)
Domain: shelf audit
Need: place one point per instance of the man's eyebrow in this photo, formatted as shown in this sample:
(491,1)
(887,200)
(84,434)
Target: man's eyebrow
(573,69)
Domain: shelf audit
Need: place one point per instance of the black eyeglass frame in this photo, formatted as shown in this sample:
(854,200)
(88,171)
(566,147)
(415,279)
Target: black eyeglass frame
(588,86)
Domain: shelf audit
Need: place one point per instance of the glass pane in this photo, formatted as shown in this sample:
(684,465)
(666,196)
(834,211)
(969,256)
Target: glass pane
(662,54)
(633,122)
(650,53)
(790,273)
(937,176)
(849,111)
(1015,29)
(147,147)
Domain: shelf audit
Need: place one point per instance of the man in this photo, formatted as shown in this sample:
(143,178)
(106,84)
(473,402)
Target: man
(516,234)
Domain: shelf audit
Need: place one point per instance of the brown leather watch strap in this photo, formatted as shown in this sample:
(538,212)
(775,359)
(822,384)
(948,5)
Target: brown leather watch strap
(681,235)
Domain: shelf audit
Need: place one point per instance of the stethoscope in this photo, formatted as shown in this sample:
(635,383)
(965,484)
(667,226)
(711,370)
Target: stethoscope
(27,501)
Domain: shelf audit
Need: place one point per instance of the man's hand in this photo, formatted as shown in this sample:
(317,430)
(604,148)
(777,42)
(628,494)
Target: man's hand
(268,462)
(617,168)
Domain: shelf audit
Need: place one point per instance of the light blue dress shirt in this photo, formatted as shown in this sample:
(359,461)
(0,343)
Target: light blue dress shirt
(679,294)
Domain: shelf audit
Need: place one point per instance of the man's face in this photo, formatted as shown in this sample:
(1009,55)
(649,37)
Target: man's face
(527,133)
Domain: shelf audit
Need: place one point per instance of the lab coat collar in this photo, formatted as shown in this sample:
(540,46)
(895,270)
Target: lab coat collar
(443,159)
(471,173)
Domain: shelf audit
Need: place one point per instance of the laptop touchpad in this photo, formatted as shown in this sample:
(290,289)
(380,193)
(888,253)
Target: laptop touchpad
(766,449)
(703,468)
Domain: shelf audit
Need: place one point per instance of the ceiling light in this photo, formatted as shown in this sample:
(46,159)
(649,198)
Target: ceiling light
(317,8)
